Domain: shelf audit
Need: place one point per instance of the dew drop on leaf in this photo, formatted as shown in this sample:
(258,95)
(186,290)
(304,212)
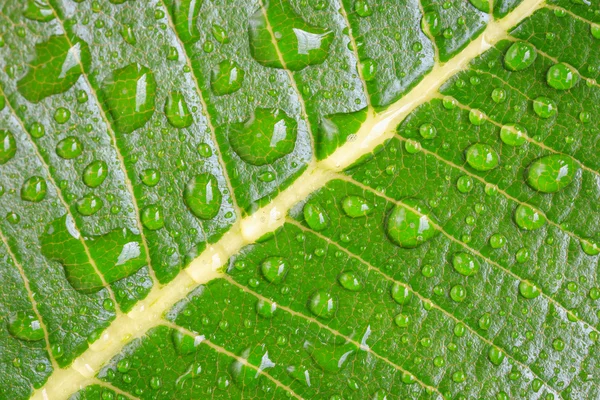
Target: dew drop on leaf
(590,247)
(513,135)
(458,293)
(350,281)
(561,77)
(128,34)
(427,131)
(265,309)
(499,95)
(356,206)
(551,173)
(8,146)
(477,117)
(62,115)
(519,56)
(544,107)
(465,264)
(529,219)
(401,294)
(528,290)
(227,77)
(274,269)
(322,304)
(95,173)
(362,8)
(69,148)
(432,21)
(89,204)
(402,320)
(464,184)
(411,225)
(150,177)
(482,157)
(152,217)
(369,69)
(315,216)
(34,189)
(185,16)
(481,5)
(265,137)
(176,110)
(25,326)
(495,355)
(202,196)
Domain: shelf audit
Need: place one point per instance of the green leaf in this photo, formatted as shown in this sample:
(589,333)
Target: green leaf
(340,199)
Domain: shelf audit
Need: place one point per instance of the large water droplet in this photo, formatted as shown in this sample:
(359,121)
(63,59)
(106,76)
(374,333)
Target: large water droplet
(465,264)
(130,94)
(529,219)
(39,10)
(519,56)
(227,77)
(8,146)
(482,157)
(495,355)
(274,269)
(299,43)
(356,206)
(551,173)
(25,326)
(561,77)
(513,135)
(350,281)
(95,173)
(57,65)
(152,217)
(528,290)
(89,204)
(544,107)
(322,304)
(266,136)
(401,294)
(34,189)
(433,22)
(202,196)
(177,111)
(69,148)
(185,16)
(245,375)
(315,216)
(410,227)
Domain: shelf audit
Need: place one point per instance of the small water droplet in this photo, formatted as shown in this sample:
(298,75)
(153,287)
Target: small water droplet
(513,135)
(561,77)
(152,217)
(528,290)
(315,216)
(544,107)
(150,177)
(350,281)
(274,269)
(227,77)
(356,206)
(89,204)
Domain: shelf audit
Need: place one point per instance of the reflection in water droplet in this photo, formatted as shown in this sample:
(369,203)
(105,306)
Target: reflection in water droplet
(57,65)
(202,196)
(495,355)
(551,173)
(39,10)
(513,135)
(34,189)
(177,111)
(350,281)
(8,146)
(299,43)
(401,294)
(185,19)
(130,93)
(89,204)
(227,77)
(265,137)
(410,227)
(544,107)
(528,290)
(128,34)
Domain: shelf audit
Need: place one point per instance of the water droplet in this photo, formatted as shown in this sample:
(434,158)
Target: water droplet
(485,321)
(128,34)
(265,309)
(408,378)
(412,146)
(544,107)
(62,115)
(123,365)
(25,326)
(227,77)
(57,65)
(458,293)
(433,22)
(465,264)
(322,304)
(95,173)
(499,95)
(522,255)
(150,177)
(558,344)
(362,8)
(495,355)
(561,77)
(302,43)
(528,290)
(402,320)
(315,216)
(482,157)
(410,227)
(529,219)
(130,93)
(266,136)
(34,189)
(356,206)
(37,130)
(202,196)
(369,69)
(185,16)
(69,148)
(401,294)
(8,146)
(464,184)
(89,204)
(519,56)
(350,281)
(185,344)
(152,217)
(332,358)
(220,34)
(427,131)
(590,247)
(497,241)
(38,10)
(274,269)
(177,111)
(155,382)
(513,135)
(595,29)
(551,173)
(477,117)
